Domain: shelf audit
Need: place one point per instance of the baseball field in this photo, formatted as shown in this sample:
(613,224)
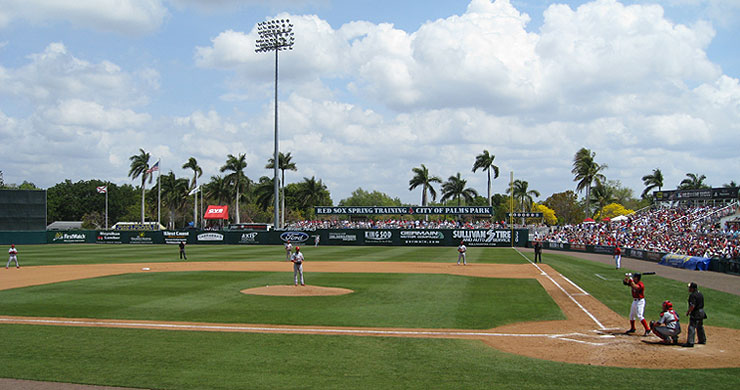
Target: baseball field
(370,317)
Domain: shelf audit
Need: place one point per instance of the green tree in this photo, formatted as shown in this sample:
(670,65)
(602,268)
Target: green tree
(218,190)
(264,192)
(192,163)
(284,164)
(236,165)
(312,192)
(484,161)
(586,171)
(602,194)
(454,188)
(693,181)
(731,184)
(140,167)
(423,178)
(360,197)
(652,181)
(523,195)
(565,205)
(174,195)
(68,201)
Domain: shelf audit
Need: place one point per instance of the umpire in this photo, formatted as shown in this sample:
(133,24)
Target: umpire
(696,316)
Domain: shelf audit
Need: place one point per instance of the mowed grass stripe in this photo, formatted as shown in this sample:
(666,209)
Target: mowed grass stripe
(379,300)
(205,360)
(57,254)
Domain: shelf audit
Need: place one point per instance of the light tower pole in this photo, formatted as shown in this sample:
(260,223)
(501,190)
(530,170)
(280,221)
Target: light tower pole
(275,35)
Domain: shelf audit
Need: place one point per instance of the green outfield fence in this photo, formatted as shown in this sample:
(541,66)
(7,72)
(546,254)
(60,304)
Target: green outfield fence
(360,237)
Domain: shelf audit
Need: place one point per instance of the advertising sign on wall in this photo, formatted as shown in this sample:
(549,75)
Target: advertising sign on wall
(294,237)
(108,237)
(69,237)
(175,237)
(421,237)
(141,238)
(342,236)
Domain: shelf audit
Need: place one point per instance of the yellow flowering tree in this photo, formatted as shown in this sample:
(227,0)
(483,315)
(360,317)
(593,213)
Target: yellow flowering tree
(548,213)
(613,210)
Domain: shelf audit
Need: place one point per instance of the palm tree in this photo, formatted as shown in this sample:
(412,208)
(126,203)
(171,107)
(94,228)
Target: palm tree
(174,193)
(197,172)
(586,171)
(731,184)
(237,178)
(218,190)
(693,181)
(312,192)
(603,194)
(523,194)
(140,167)
(424,179)
(284,164)
(454,187)
(652,180)
(264,192)
(484,161)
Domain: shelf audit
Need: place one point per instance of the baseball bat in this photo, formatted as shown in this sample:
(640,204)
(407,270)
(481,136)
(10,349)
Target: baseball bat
(641,273)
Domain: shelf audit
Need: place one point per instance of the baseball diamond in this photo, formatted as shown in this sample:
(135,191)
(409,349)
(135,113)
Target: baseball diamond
(592,334)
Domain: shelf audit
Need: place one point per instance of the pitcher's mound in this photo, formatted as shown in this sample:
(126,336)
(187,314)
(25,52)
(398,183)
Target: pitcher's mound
(299,291)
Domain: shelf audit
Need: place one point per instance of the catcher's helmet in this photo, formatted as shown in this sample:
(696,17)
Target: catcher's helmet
(667,305)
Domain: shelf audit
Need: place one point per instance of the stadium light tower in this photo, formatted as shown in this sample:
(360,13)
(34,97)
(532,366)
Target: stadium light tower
(275,35)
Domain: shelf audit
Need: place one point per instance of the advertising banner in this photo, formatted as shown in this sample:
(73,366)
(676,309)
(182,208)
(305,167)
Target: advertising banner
(175,237)
(70,237)
(342,237)
(686,262)
(422,237)
(491,237)
(142,237)
(108,237)
(403,210)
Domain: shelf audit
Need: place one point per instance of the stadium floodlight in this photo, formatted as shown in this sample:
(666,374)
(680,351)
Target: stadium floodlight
(275,35)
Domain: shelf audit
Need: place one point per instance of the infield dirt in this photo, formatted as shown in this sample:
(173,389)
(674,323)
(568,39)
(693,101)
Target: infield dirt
(592,334)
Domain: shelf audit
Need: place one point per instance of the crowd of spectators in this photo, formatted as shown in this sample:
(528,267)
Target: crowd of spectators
(693,231)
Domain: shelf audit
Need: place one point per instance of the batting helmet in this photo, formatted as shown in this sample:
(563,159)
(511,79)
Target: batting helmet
(297,248)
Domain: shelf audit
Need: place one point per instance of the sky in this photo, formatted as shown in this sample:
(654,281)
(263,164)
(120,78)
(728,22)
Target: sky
(372,89)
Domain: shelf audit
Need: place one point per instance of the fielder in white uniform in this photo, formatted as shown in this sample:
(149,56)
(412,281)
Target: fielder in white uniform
(288,249)
(461,253)
(13,256)
(297,260)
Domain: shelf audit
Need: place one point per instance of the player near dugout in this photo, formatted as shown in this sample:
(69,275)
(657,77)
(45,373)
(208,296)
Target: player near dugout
(637,310)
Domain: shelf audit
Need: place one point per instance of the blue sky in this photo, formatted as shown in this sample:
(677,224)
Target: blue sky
(373,89)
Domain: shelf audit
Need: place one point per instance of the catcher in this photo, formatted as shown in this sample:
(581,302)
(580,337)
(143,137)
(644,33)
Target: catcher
(667,327)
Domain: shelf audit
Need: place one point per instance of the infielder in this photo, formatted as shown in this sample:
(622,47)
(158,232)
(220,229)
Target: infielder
(297,260)
(13,256)
(461,253)
(618,256)
(667,327)
(637,310)
(288,249)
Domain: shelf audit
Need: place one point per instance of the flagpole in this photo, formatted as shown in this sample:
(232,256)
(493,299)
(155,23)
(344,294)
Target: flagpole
(201,210)
(159,195)
(106,208)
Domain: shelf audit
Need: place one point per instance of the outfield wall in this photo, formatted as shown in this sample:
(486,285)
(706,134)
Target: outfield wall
(360,237)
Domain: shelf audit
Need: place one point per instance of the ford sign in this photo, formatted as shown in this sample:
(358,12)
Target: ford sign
(294,236)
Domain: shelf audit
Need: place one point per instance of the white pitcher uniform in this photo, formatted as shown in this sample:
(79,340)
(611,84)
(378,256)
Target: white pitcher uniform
(461,254)
(12,256)
(297,260)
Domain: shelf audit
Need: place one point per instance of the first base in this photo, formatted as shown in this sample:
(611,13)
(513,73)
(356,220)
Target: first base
(145,269)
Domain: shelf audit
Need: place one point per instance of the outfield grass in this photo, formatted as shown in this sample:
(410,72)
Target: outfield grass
(204,360)
(56,254)
(382,300)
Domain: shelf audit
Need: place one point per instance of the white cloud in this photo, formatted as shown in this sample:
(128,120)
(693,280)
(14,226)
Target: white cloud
(132,17)
(56,74)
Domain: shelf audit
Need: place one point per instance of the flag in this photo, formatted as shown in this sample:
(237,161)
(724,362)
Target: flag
(194,190)
(154,167)
(102,189)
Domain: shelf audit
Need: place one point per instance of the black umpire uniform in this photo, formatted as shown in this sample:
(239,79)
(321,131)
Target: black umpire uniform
(696,316)
(537,251)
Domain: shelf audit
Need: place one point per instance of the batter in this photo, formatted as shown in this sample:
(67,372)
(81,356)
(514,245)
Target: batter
(637,310)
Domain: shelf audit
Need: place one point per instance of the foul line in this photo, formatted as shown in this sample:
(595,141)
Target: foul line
(196,327)
(563,290)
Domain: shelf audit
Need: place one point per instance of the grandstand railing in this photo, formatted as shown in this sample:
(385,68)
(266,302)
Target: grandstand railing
(704,218)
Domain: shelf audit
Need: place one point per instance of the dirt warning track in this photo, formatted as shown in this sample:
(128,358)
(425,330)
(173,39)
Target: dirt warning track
(591,334)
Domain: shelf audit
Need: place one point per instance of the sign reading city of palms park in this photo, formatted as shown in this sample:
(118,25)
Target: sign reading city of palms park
(404,210)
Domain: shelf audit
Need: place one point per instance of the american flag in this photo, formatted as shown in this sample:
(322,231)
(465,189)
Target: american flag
(154,167)
(102,189)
